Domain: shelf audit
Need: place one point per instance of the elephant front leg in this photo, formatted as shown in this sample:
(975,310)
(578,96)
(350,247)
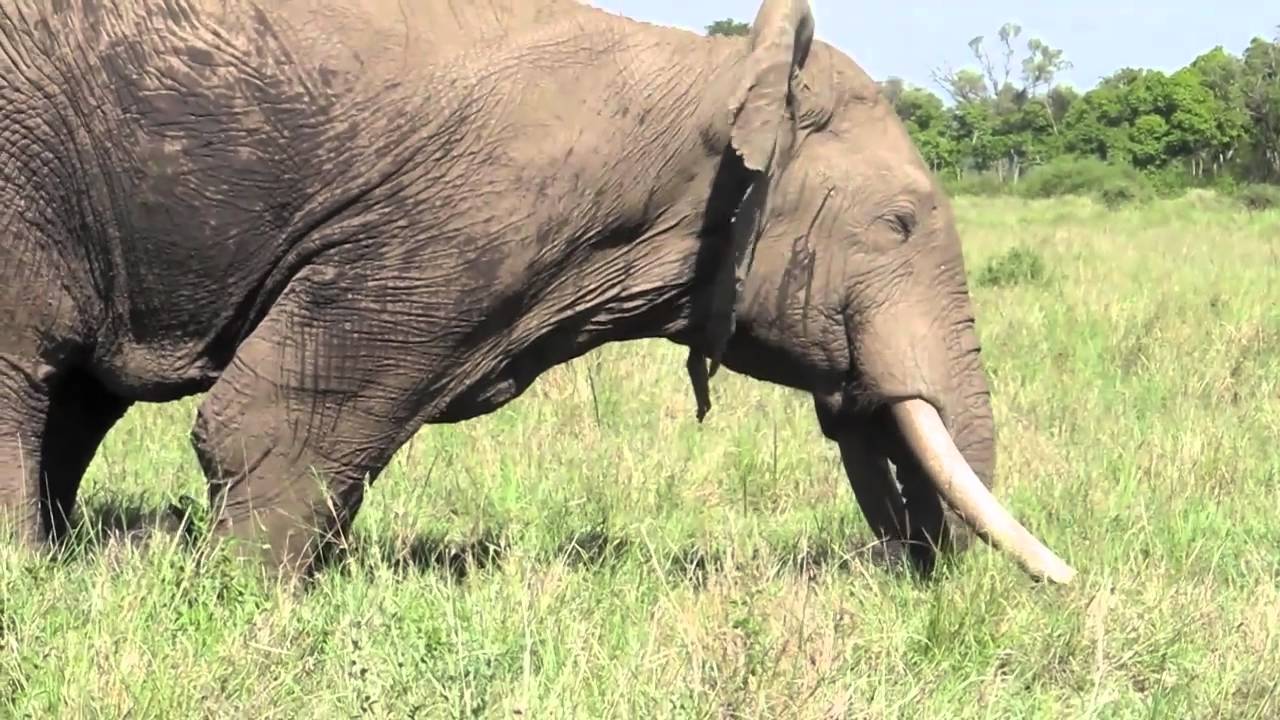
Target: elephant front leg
(297,425)
(878,496)
(272,491)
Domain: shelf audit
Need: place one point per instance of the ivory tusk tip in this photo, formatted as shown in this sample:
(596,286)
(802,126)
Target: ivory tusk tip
(927,437)
(1058,573)
(1063,576)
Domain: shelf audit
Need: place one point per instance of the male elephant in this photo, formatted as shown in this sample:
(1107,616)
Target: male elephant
(346,220)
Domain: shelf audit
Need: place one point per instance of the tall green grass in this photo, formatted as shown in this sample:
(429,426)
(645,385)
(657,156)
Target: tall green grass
(591,551)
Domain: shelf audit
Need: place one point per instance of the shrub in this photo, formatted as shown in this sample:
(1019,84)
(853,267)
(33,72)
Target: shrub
(1209,198)
(1112,184)
(1172,181)
(977,184)
(1259,197)
(1118,193)
(1015,266)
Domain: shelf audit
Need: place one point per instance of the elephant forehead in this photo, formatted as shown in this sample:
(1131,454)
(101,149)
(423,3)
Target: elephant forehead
(835,186)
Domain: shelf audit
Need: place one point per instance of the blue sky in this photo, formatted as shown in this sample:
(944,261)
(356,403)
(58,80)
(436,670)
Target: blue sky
(908,39)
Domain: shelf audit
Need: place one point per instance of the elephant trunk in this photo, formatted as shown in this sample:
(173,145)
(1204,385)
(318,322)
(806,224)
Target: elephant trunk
(929,441)
(926,369)
(967,406)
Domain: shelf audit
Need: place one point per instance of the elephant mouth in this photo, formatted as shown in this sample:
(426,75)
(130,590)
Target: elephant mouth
(927,439)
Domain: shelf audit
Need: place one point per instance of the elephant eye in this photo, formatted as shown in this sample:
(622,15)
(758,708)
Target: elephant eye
(902,224)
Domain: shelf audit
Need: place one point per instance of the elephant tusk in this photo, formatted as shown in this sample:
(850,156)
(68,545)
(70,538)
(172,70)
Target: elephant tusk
(928,439)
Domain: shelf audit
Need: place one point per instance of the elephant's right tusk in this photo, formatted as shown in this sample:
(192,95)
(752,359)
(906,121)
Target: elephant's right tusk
(928,439)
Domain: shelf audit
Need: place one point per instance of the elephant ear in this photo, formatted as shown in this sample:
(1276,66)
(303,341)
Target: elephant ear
(780,41)
(761,113)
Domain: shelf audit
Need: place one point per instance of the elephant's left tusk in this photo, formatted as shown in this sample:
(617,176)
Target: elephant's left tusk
(928,439)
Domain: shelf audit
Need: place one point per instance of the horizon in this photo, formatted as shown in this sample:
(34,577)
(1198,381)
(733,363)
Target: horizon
(1095,36)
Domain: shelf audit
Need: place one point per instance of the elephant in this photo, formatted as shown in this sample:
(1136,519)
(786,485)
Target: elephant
(344,221)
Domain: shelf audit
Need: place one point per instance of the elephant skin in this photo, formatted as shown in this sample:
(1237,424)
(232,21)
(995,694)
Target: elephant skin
(345,220)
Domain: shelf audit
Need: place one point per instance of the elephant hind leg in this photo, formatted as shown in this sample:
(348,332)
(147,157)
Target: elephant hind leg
(53,415)
(81,412)
(51,424)
(24,410)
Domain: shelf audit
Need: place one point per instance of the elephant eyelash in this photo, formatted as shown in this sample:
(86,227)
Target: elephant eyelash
(903,224)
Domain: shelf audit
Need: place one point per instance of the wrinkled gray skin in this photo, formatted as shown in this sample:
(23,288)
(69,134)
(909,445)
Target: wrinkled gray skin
(345,220)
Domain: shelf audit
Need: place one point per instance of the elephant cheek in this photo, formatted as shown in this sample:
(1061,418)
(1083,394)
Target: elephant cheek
(898,357)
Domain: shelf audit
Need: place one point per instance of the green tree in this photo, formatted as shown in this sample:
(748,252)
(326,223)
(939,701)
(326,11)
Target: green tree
(1004,122)
(1098,123)
(1040,72)
(892,89)
(1222,74)
(729,28)
(1219,115)
(1152,120)
(973,129)
(994,81)
(1261,86)
(1023,138)
(930,126)
(1059,101)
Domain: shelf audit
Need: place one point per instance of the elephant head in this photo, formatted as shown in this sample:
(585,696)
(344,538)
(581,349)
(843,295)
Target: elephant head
(843,276)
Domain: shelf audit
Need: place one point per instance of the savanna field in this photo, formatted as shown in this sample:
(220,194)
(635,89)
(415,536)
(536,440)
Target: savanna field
(590,551)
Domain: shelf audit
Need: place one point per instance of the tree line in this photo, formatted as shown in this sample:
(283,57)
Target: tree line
(1215,122)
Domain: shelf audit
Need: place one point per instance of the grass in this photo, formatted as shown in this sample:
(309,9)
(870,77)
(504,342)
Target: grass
(591,552)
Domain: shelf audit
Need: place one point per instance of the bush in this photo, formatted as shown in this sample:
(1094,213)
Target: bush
(977,184)
(1210,199)
(1172,181)
(1115,194)
(1259,197)
(1113,185)
(1015,266)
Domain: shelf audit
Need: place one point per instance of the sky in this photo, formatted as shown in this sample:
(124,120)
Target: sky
(909,39)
